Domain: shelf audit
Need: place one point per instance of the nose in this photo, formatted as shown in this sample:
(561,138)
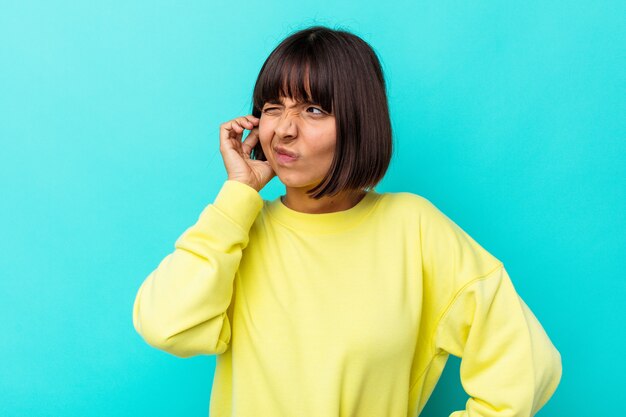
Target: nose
(287,127)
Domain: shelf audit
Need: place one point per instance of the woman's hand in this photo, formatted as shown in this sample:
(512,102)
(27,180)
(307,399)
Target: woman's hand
(236,155)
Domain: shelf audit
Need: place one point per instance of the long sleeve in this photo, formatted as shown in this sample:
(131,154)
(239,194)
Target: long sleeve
(181,307)
(509,366)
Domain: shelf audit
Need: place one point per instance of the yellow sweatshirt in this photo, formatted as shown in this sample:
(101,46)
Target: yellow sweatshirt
(351,313)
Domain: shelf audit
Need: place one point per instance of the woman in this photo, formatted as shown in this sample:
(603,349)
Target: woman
(335,299)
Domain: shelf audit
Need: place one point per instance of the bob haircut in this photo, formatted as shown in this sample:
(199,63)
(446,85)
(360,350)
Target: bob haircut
(341,73)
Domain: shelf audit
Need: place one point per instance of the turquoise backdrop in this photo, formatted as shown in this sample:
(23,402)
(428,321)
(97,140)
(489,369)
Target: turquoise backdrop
(509,116)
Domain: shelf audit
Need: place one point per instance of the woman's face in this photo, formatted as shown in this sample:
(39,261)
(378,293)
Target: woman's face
(303,130)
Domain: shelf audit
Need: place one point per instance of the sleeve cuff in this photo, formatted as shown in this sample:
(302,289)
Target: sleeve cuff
(240,202)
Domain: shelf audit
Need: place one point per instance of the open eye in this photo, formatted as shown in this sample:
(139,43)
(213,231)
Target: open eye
(316,108)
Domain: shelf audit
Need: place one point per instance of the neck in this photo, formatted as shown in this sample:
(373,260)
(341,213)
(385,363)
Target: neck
(297,199)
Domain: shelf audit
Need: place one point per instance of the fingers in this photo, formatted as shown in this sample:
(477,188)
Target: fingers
(250,141)
(250,122)
(231,131)
(244,122)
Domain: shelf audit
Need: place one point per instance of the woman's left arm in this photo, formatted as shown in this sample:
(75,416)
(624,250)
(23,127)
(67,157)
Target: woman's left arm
(509,366)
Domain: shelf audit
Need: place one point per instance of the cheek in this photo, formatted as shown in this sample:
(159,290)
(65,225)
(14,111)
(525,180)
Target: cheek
(265,134)
(327,148)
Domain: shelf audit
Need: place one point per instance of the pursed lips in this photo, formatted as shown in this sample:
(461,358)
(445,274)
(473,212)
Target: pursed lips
(285,152)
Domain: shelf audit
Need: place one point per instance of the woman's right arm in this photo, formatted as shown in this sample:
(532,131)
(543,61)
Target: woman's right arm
(181,306)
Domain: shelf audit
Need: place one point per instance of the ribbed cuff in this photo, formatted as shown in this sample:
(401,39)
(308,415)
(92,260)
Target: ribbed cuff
(240,202)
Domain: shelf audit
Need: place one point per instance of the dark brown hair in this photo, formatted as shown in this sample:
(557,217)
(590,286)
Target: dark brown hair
(345,78)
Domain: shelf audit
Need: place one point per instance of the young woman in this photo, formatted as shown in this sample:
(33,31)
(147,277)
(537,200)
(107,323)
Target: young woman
(337,300)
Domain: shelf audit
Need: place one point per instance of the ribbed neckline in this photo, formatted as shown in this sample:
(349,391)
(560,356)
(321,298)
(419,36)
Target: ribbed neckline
(323,223)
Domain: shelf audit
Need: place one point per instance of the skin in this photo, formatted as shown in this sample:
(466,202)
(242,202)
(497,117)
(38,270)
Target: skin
(309,132)
(302,128)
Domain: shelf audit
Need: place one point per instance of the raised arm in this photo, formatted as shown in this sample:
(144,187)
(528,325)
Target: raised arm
(181,307)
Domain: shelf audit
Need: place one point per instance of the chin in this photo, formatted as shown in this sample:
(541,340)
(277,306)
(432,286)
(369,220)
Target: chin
(292,181)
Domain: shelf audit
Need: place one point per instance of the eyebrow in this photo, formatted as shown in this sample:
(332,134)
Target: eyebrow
(281,103)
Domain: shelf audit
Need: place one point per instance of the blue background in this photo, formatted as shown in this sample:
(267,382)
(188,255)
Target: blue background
(509,117)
